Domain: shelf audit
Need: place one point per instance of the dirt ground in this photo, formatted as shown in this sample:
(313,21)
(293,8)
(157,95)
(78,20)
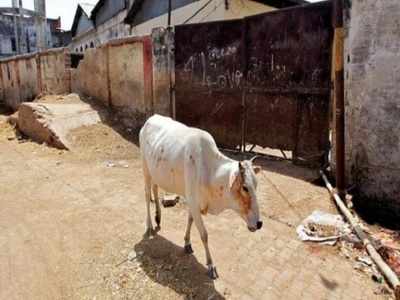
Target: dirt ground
(72,224)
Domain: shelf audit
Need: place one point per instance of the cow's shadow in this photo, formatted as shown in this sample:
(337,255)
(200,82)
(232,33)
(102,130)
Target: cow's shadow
(166,263)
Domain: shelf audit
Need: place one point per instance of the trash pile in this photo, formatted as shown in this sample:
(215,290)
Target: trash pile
(329,229)
(324,228)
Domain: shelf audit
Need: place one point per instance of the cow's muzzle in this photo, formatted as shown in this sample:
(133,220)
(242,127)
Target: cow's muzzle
(259,226)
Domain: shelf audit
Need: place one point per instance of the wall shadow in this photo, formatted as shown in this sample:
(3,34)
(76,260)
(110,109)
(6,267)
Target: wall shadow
(166,263)
(5,111)
(376,211)
(110,117)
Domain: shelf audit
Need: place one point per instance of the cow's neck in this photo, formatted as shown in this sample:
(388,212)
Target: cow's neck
(219,185)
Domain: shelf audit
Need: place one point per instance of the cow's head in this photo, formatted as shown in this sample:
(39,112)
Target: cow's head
(243,185)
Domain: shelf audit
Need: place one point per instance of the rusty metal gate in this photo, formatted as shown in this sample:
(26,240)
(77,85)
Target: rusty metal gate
(262,80)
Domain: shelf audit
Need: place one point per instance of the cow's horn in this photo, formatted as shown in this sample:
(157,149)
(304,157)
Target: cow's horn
(254,158)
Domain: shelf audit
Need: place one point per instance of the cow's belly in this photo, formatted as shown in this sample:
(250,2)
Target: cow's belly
(168,175)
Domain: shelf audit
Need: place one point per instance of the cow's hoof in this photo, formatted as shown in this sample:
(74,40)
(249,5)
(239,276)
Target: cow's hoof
(149,233)
(212,272)
(188,249)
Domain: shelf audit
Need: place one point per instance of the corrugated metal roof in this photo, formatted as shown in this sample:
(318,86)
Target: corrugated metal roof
(79,12)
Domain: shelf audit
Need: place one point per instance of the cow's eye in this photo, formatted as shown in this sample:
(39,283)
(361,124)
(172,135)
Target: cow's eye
(246,189)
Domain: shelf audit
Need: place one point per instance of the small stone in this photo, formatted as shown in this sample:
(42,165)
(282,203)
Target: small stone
(132,255)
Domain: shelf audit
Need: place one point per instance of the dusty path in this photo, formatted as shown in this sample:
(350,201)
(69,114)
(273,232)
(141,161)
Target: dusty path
(71,227)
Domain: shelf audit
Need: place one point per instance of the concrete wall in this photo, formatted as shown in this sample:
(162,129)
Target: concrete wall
(11,96)
(55,75)
(373,104)
(25,77)
(120,75)
(91,77)
(28,72)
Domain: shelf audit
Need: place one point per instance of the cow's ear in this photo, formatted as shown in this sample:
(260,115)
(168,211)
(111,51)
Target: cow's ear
(235,180)
(257,169)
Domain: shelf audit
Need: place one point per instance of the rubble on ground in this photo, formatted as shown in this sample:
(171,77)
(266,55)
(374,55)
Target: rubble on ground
(50,122)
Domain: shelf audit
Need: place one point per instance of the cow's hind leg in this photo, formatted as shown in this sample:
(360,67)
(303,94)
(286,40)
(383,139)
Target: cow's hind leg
(158,208)
(198,220)
(188,244)
(149,225)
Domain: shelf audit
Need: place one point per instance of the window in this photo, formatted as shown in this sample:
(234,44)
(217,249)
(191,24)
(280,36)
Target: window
(13,45)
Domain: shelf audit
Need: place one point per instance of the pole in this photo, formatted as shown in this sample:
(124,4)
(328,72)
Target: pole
(21,28)
(170,61)
(339,96)
(40,23)
(169,12)
(15,4)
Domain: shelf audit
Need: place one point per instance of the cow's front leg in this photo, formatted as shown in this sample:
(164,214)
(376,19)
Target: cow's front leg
(188,244)
(198,220)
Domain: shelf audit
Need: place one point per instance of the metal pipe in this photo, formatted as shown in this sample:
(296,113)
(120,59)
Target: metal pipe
(339,96)
(383,267)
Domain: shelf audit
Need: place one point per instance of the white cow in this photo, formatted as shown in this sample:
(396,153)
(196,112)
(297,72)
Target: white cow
(187,162)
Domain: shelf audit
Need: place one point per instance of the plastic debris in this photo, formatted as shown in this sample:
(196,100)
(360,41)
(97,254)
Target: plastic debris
(323,228)
(120,164)
(110,164)
(365,260)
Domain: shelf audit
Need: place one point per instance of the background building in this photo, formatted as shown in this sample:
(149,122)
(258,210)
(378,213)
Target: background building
(111,19)
(18,32)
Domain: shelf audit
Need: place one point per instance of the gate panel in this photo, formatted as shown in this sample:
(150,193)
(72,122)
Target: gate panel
(209,79)
(261,80)
(288,79)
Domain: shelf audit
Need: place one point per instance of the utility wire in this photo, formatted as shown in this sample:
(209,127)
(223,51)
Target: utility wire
(198,11)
